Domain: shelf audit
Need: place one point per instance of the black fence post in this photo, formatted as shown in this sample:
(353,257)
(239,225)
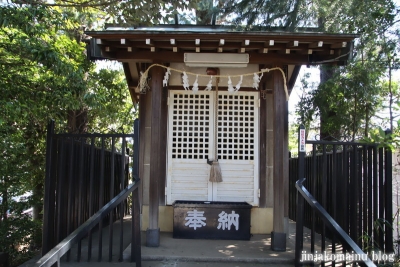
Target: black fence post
(300,199)
(389,196)
(49,195)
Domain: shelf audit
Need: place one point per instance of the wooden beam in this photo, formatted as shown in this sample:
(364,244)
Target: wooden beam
(280,105)
(285,162)
(246,42)
(339,45)
(316,44)
(127,72)
(213,44)
(143,112)
(255,57)
(293,78)
(149,42)
(293,44)
(157,160)
(163,143)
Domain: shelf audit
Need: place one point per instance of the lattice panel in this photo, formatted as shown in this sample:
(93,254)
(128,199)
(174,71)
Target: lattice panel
(236,127)
(190,126)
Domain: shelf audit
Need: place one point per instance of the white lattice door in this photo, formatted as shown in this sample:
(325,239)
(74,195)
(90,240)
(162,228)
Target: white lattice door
(191,143)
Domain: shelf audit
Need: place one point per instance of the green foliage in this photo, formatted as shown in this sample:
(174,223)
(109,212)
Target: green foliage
(45,75)
(17,238)
(131,12)
(108,87)
(347,101)
(383,138)
(370,243)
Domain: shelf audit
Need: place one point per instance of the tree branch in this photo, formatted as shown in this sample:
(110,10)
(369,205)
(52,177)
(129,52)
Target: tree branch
(70,3)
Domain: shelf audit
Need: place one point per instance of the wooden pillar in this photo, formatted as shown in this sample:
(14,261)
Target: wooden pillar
(263,150)
(286,167)
(157,159)
(163,148)
(143,108)
(278,235)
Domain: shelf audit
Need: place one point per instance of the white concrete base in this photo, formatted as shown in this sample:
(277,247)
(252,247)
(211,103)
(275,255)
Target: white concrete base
(261,219)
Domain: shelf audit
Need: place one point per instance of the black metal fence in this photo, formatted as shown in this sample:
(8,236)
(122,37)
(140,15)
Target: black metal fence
(353,182)
(342,243)
(83,173)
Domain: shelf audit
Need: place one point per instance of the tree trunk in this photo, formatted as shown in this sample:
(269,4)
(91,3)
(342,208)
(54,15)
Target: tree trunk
(367,120)
(77,121)
(390,97)
(4,203)
(326,72)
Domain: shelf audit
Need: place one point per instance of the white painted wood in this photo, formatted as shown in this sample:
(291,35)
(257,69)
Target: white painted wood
(190,143)
(238,140)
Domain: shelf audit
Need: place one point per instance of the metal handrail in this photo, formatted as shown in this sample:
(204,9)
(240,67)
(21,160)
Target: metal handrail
(65,245)
(347,242)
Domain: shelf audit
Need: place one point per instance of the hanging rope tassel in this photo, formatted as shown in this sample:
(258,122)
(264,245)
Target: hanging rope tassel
(215,171)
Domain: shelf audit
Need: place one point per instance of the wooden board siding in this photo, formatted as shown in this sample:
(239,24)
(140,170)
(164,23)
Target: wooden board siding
(189,181)
(239,182)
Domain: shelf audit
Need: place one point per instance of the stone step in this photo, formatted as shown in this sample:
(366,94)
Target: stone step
(173,263)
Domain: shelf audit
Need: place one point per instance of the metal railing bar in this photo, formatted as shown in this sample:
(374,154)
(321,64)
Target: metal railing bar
(334,194)
(49,197)
(314,186)
(80,200)
(60,184)
(381,197)
(324,196)
(110,233)
(121,211)
(66,244)
(70,193)
(388,200)
(91,192)
(339,143)
(347,242)
(135,227)
(101,197)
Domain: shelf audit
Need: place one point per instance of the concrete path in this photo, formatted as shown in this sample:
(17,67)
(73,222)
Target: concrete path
(188,252)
